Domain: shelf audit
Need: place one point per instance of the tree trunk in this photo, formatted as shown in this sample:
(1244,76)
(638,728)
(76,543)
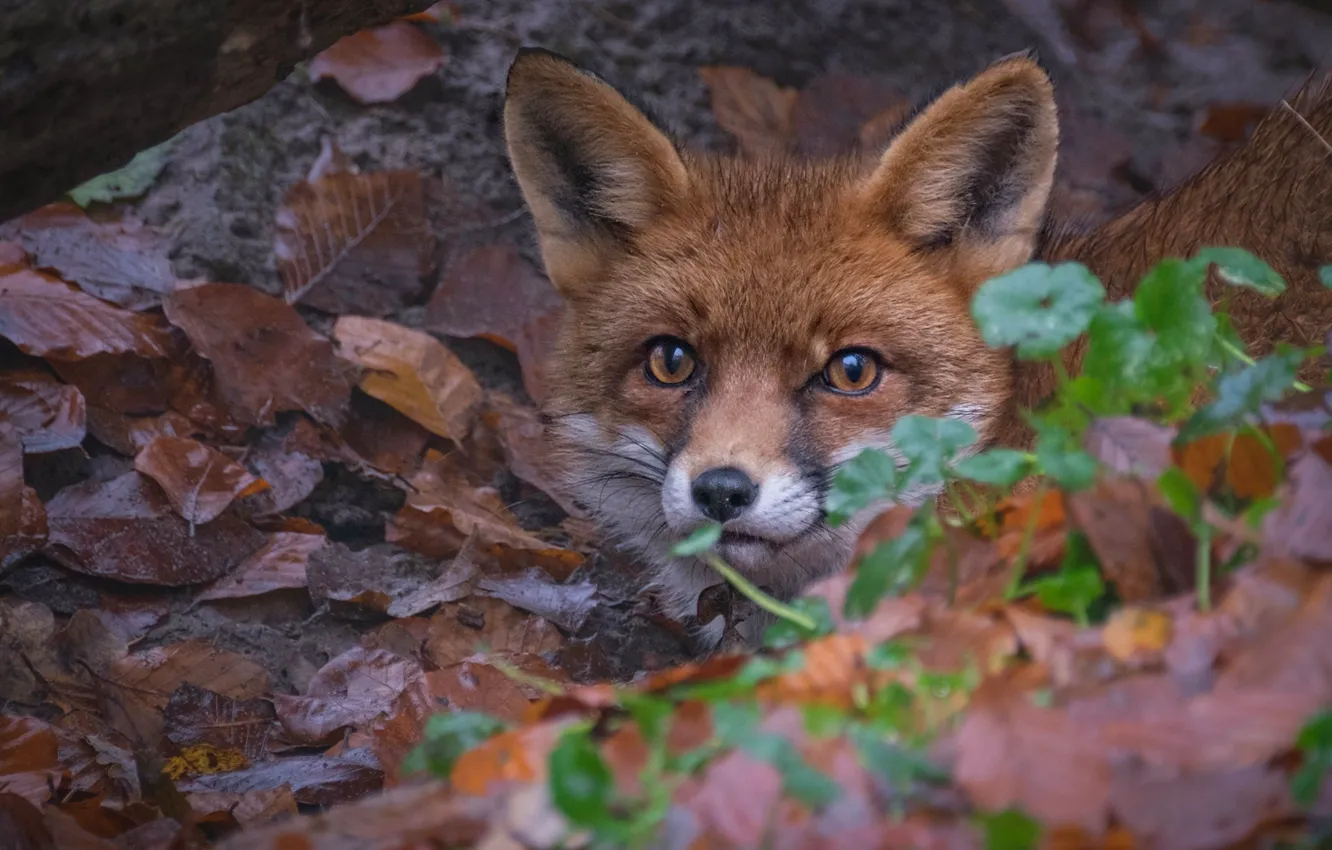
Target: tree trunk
(86,84)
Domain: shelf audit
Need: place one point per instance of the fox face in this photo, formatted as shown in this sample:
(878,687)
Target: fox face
(736,330)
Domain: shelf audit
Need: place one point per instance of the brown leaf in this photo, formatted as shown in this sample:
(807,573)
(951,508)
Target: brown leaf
(355,243)
(444,509)
(12,257)
(483,624)
(754,109)
(350,691)
(1115,516)
(412,372)
(526,452)
(737,797)
(535,344)
(1302,526)
(829,115)
(199,481)
(565,605)
(118,261)
(469,686)
(368,580)
(125,529)
(290,463)
(49,318)
(29,766)
(249,808)
(1232,122)
(382,437)
(280,564)
(265,358)
(23,527)
(129,434)
(1136,634)
(28,661)
(48,415)
(314,780)
(1241,462)
(196,716)
(1130,446)
(457,581)
(382,64)
(21,822)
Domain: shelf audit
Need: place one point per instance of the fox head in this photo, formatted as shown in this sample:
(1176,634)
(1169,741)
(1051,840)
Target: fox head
(737,329)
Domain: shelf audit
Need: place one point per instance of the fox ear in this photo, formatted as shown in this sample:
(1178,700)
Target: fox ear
(973,171)
(592,168)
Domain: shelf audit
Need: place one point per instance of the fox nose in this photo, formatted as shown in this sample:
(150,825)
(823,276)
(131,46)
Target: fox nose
(723,493)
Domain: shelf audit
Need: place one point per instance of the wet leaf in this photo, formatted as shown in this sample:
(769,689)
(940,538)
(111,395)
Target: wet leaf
(457,581)
(23,526)
(314,780)
(566,605)
(29,766)
(382,64)
(292,465)
(492,626)
(48,415)
(355,243)
(754,109)
(199,481)
(350,691)
(412,372)
(196,716)
(49,318)
(125,529)
(526,451)
(265,358)
(1115,517)
(129,181)
(280,564)
(123,261)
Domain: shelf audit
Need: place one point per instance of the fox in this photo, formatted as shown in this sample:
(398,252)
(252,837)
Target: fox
(736,329)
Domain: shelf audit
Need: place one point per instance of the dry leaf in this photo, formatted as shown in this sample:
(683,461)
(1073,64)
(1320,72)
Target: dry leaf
(1115,515)
(118,261)
(526,451)
(754,109)
(196,716)
(1136,634)
(412,372)
(48,415)
(382,64)
(565,605)
(355,243)
(350,691)
(469,686)
(456,582)
(28,758)
(49,318)
(264,357)
(459,630)
(830,115)
(313,780)
(200,482)
(280,564)
(292,465)
(22,516)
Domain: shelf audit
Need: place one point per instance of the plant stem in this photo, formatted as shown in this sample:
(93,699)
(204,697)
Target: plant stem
(1231,349)
(758,597)
(1203,565)
(1028,534)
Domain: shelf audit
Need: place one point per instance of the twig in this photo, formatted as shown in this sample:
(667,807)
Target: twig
(758,597)
(1298,117)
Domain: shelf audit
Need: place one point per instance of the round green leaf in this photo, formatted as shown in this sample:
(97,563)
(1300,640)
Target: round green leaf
(1038,308)
(1239,267)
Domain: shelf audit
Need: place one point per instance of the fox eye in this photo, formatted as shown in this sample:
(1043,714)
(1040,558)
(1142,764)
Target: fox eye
(670,362)
(852,371)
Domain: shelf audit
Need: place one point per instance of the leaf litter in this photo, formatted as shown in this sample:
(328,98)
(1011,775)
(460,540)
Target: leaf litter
(1045,666)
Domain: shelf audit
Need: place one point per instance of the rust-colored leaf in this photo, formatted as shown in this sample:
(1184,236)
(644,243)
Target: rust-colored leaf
(1247,464)
(412,372)
(29,766)
(350,691)
(355,243)
(469,686)
(382,64)
(118,261)
(47,317)
(519,755)
(459,630)
(1137,634)
(754,109)
(313,780)
(265,358)
(125,529)
(48,415)
(199,481)
(1115,516)
(831,113)
(22,516)
(382,437)
(280,564)
(1232,122)
(526,451)
(196,716)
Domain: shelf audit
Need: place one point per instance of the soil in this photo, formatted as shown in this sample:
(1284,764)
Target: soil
(227,176)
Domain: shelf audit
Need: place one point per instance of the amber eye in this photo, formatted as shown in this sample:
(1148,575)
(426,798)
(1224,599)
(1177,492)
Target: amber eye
(852,372)
(670,362)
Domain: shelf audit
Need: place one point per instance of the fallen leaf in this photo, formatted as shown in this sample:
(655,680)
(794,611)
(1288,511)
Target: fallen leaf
(526,451)
(412,372)
(292,465)
(1302,525)
(355,243)
(29,766)
(350,691)
(518,755)
(369,580)
(125,529)
(23,528)
(249,808)
(49,318)
(12,257)
(129,181)
(469,686)
(535,344)
(21,821)
(200,482)
(1130,446)
(28,661)
(1232,122)
(737,797)
(265,358)
(382,64)
(48,415)
(1136,634)
(457,581)
(118,261)
(1115,516)
(382,437)
(565,605)
(280,564)
(313,780)
(459,630)
(830,115)
(197,716)
(130,434)
(754,109)
(1245,463)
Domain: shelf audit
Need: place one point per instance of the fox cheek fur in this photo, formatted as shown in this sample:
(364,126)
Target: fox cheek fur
(752,280)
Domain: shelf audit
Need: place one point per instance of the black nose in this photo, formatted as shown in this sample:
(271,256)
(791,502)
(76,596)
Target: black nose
(724,493)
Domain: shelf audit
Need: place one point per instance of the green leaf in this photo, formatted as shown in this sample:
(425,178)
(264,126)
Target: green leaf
(892,706)
(580,782)
(1000,467)
(898,766)
(1239,267)
(866,478)
(1119,347)
(1243,393)
(1072,590)
(928,444)
(1315,745)
(699,541)
(783,633)
(446,738)
(130,181)
(1180,494)
(736,724)
(823,720)
(892,568)
(1325,276)
(889,655)
(1170,302)
(1060,457)
(1038,308)
(1010,830)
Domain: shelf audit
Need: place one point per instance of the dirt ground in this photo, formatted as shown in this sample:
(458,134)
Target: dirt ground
(226,177)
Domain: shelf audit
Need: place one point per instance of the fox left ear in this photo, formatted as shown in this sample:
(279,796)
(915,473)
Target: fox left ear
(973,171)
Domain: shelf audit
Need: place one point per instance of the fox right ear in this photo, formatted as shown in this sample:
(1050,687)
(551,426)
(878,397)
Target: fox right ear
(592,168)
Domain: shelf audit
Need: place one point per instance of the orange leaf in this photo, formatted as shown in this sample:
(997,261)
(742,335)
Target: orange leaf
(49,318)
(201,482)
(754,109)
(382,64)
